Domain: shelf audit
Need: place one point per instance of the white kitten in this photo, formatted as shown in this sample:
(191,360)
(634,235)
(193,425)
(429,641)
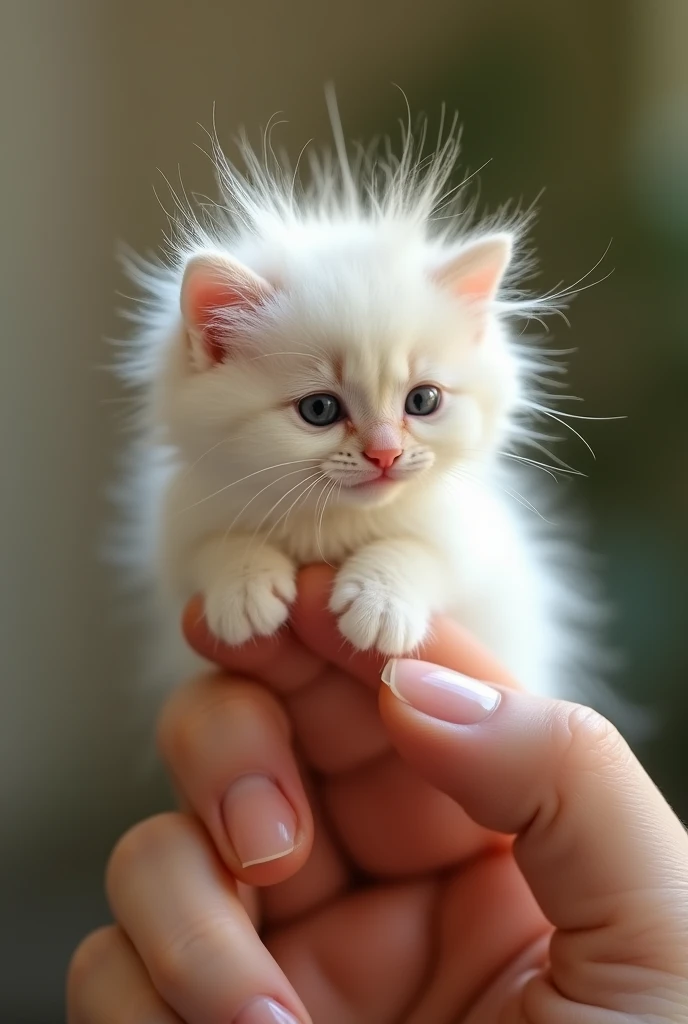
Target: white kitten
(330,376)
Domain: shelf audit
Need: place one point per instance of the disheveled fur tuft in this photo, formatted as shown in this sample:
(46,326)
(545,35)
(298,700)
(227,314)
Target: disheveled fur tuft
(351,256)
(267,200)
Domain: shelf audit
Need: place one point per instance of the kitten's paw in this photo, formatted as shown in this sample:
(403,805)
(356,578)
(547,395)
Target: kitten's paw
(377,610)
(251,598)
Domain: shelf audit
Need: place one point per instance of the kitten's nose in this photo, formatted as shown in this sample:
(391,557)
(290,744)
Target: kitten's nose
(384,457)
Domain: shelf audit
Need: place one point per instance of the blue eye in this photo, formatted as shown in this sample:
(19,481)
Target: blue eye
(320,410)
(423,400)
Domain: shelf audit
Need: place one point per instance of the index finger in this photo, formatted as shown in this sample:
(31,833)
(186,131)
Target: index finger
(281,660)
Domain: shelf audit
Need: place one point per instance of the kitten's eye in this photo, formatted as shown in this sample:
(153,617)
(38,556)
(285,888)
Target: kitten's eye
(320,410)
(423,400)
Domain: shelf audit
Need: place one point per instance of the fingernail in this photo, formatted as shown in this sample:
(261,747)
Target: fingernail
(448,696)
(259,820)
(264,1011)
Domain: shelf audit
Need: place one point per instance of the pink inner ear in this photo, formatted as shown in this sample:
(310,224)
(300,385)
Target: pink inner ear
(478,285)
(476,271)
(205,297)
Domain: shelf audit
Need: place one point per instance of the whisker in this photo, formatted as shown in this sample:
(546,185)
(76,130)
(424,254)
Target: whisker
(532,463)
(561,398)
(572,415)
(257,495)
(278,465)
(462,474)
(552,470)
(563,467)
(530,440)
(281,499)
(299,497)
(302,496)
(317,506)
(563,423)
(320,522)
(212,448)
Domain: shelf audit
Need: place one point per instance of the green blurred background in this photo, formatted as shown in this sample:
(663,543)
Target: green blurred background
(586,99)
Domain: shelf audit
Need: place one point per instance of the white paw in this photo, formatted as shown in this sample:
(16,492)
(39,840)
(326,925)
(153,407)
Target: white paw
(378,610)
(251,598)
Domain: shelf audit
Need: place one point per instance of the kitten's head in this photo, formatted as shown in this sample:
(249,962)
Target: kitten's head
(370,354)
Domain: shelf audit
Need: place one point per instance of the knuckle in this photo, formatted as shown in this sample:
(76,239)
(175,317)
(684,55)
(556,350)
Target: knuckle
(173,722)
(187,956)
(594,741)
(191,727)
(169,725)
(582,742)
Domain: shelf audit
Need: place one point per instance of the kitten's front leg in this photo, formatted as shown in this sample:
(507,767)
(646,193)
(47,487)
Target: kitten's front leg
(386,593)
(247,585)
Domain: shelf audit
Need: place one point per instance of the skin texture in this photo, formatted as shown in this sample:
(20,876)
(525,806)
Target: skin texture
(407,902)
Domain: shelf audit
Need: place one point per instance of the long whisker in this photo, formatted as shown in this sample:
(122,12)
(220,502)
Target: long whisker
(223,440)
(315,511)
(573,415)
(281,499)
(532,463)
(299,497)
(318,535)
(234,483)
(563,423)
(517,496)
(563,398)
(535,463)
(257,495)
(320,479)
(552,470)
(303,497)
(530,440)
(462,474)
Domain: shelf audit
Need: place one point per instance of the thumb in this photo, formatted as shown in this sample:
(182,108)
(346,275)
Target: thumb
(603,853)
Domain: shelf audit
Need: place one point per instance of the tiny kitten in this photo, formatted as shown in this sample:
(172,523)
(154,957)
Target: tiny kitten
(330,374)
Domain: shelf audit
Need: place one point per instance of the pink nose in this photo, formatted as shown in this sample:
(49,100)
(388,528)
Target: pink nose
(384,457)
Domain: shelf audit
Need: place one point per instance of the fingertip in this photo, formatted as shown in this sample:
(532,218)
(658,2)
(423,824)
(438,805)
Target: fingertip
(313,592)
(279,660)
(309,613)
(194,626)
(317,627)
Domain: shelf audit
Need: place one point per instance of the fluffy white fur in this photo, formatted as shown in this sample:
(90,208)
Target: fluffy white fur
(363,287)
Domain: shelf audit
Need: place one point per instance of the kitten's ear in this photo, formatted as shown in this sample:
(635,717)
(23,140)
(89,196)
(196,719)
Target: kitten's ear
(214,285)
(476,271)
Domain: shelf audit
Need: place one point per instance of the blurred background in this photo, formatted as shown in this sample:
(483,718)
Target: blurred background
(588,100)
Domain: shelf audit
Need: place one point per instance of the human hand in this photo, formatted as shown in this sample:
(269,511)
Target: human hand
(407,902)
